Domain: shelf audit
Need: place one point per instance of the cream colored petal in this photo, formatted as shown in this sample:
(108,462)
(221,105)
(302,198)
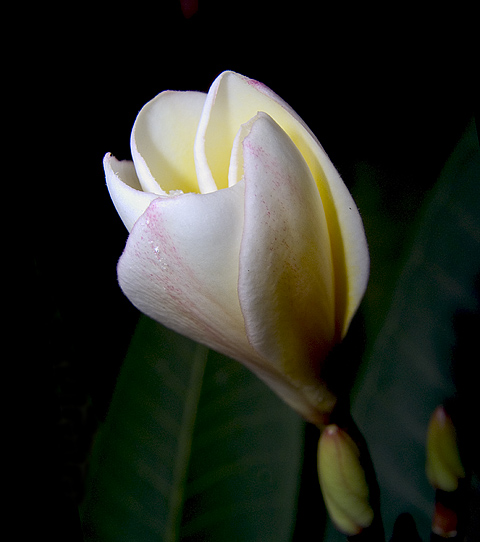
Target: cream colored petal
(233,100)
(162,142)
(180,267)
(286,274)
(125,190)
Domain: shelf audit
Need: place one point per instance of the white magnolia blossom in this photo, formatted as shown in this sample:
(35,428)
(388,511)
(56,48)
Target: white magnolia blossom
(242,234)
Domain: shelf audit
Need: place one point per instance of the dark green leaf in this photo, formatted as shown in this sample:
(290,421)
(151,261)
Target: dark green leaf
(194,447)
(410,369)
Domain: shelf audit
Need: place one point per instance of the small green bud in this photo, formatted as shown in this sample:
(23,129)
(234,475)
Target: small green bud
(443,466)
(343,483)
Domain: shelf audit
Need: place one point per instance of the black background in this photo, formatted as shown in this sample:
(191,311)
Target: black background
(390,86)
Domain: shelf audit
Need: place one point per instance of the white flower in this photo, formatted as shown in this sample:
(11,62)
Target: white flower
(242,234)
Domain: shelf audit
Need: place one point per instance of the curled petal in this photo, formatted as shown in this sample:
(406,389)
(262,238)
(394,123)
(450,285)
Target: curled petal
(286,275)
(232,101)
(125,190)
(181,269)
(162,142)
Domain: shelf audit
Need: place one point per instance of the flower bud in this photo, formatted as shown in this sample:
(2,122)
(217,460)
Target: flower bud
(343,483)
(443,466)
(444,521)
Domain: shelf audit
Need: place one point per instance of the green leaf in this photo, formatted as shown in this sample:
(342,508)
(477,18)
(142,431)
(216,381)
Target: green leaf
(194,447)
(409,369)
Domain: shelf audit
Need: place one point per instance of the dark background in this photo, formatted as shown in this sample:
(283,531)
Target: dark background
(386,89)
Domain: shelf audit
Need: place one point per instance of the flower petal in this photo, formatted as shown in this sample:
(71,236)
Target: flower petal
(233,100)
(162,142)
(286,275)
(125,190)
(181,269)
